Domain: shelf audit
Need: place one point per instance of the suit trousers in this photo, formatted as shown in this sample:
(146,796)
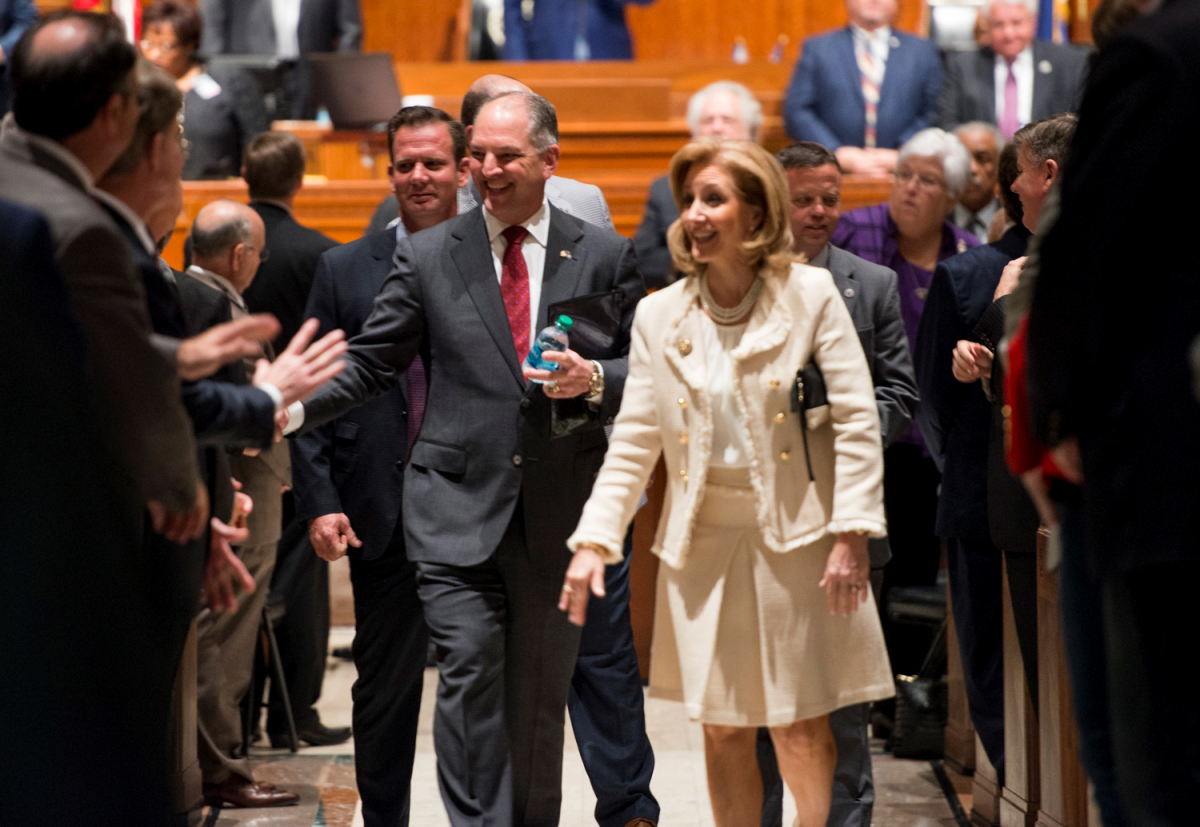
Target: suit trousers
(607,706)
(302,578)
(1150,628)
(226,666)
(505,657)
(853,800)
(1083,640)
(976,595)
(390,643)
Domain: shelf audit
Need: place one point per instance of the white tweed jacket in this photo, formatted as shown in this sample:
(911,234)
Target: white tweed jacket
(666,410)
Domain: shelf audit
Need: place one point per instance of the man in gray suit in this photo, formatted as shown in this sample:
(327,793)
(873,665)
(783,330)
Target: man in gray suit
(1015,81)
(870,293)
(287,29)
(489,496)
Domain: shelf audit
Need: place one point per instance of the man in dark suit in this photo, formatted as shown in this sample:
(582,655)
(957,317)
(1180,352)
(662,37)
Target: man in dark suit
(864,90)
(870,293)
(724,109)
(1015,81)
(273,167)
(15,17)
(349,477)
(489,496)
(287,30)
(1111,389)
(956,421)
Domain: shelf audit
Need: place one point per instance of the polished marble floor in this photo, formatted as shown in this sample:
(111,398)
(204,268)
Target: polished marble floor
(907,792)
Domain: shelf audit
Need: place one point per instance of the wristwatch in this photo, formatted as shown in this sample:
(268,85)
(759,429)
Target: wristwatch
(596,383)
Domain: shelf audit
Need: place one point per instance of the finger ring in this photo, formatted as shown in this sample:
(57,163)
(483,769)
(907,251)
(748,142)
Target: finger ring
(552,386)
(854,586)
(567,589)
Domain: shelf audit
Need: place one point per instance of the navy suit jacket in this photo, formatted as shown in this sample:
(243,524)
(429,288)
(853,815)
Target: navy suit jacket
(955,418)
(550,35)
(354,465)
(825,102)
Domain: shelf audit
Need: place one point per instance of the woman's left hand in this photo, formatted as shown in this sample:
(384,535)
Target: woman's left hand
(584,575)
(846,574)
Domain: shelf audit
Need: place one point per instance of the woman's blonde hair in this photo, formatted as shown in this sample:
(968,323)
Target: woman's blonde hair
(758,181)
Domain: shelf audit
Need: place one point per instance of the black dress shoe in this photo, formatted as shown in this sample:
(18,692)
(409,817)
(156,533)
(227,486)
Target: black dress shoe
(315,735)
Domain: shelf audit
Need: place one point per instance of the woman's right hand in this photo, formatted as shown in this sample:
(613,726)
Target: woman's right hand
(584,575)
(846,574)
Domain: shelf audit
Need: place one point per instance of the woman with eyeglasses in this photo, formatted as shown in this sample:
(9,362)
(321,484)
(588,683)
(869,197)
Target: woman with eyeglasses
(223,106)
(911,234)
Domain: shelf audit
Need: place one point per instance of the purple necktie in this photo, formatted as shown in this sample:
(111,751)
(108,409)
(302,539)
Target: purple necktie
(415,376)
(1009,122)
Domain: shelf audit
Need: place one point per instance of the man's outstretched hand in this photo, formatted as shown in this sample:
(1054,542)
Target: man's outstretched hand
(223,564)
(202,355)
(302,368)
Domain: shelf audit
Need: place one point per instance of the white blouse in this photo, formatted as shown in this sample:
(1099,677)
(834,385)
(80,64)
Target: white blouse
(729,448)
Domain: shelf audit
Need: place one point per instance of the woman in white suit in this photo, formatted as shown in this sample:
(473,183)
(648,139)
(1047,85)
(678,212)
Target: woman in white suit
(759,620)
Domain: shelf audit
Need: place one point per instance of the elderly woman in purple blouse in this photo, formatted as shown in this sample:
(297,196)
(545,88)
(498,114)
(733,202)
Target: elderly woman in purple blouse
(911,234)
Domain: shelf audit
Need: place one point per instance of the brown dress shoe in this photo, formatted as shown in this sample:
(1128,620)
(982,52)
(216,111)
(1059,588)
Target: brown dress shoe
(238,792)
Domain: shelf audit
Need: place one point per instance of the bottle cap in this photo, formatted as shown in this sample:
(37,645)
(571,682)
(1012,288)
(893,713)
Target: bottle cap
(564,322)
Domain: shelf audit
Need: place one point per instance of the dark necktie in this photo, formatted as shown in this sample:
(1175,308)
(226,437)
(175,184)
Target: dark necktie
(415,378)
(514,287)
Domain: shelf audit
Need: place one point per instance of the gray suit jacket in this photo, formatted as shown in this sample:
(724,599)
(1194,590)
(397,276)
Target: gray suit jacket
(871,296)
(134,385)
(969,86)
(584,201)
(247,27)
(485,442)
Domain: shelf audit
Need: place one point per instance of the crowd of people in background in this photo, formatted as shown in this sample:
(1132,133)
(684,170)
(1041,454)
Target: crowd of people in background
(842,398)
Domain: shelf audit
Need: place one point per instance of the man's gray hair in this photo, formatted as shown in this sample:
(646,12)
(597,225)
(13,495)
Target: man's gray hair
(946,149)
(217,240)
(543,120)
(984,126)
(752,114)
(1048,139)
(1030,5)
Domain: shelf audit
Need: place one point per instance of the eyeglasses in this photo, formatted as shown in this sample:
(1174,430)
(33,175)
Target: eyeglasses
(167,47)
(925,181)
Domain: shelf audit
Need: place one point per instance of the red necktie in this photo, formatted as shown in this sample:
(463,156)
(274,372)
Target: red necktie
(514,287)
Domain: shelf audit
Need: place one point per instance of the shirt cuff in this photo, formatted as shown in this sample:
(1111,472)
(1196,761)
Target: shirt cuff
(295,418)
(273,392)
(595,401)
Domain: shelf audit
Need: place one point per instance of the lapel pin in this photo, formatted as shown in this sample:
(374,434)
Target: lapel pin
(1045,67)
(564,253)
(685,346)
(921,292)
(894,42)
(962,245)
(849,292)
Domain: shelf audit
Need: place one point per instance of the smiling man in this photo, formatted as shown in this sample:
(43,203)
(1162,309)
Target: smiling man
(489,497)
(348,474)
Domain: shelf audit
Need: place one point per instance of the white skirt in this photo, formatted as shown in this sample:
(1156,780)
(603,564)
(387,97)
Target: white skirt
(743,635)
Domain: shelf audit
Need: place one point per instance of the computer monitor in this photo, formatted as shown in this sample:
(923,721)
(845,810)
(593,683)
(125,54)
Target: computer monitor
(359,90)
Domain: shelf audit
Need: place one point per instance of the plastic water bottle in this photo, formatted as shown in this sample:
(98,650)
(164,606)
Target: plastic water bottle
(552,339)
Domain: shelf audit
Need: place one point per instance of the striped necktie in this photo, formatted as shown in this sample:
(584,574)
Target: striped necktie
(871,69)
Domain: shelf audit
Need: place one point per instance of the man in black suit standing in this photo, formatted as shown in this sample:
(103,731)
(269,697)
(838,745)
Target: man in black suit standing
(872,297)
(349,472)
(1015,81)
(273,166)
(1111,389)
(956,421)
(489,497)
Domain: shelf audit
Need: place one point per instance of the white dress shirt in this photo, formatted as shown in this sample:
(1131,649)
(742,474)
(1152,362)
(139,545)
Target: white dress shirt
(533,247)
(286,14)
(729,447)
(1023,71)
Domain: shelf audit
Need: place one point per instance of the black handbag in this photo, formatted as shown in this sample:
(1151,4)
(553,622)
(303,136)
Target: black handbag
(594,334)
(808,391)
(922,703)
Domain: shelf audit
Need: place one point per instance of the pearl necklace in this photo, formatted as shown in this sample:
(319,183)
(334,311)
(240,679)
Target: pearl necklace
(729,315)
